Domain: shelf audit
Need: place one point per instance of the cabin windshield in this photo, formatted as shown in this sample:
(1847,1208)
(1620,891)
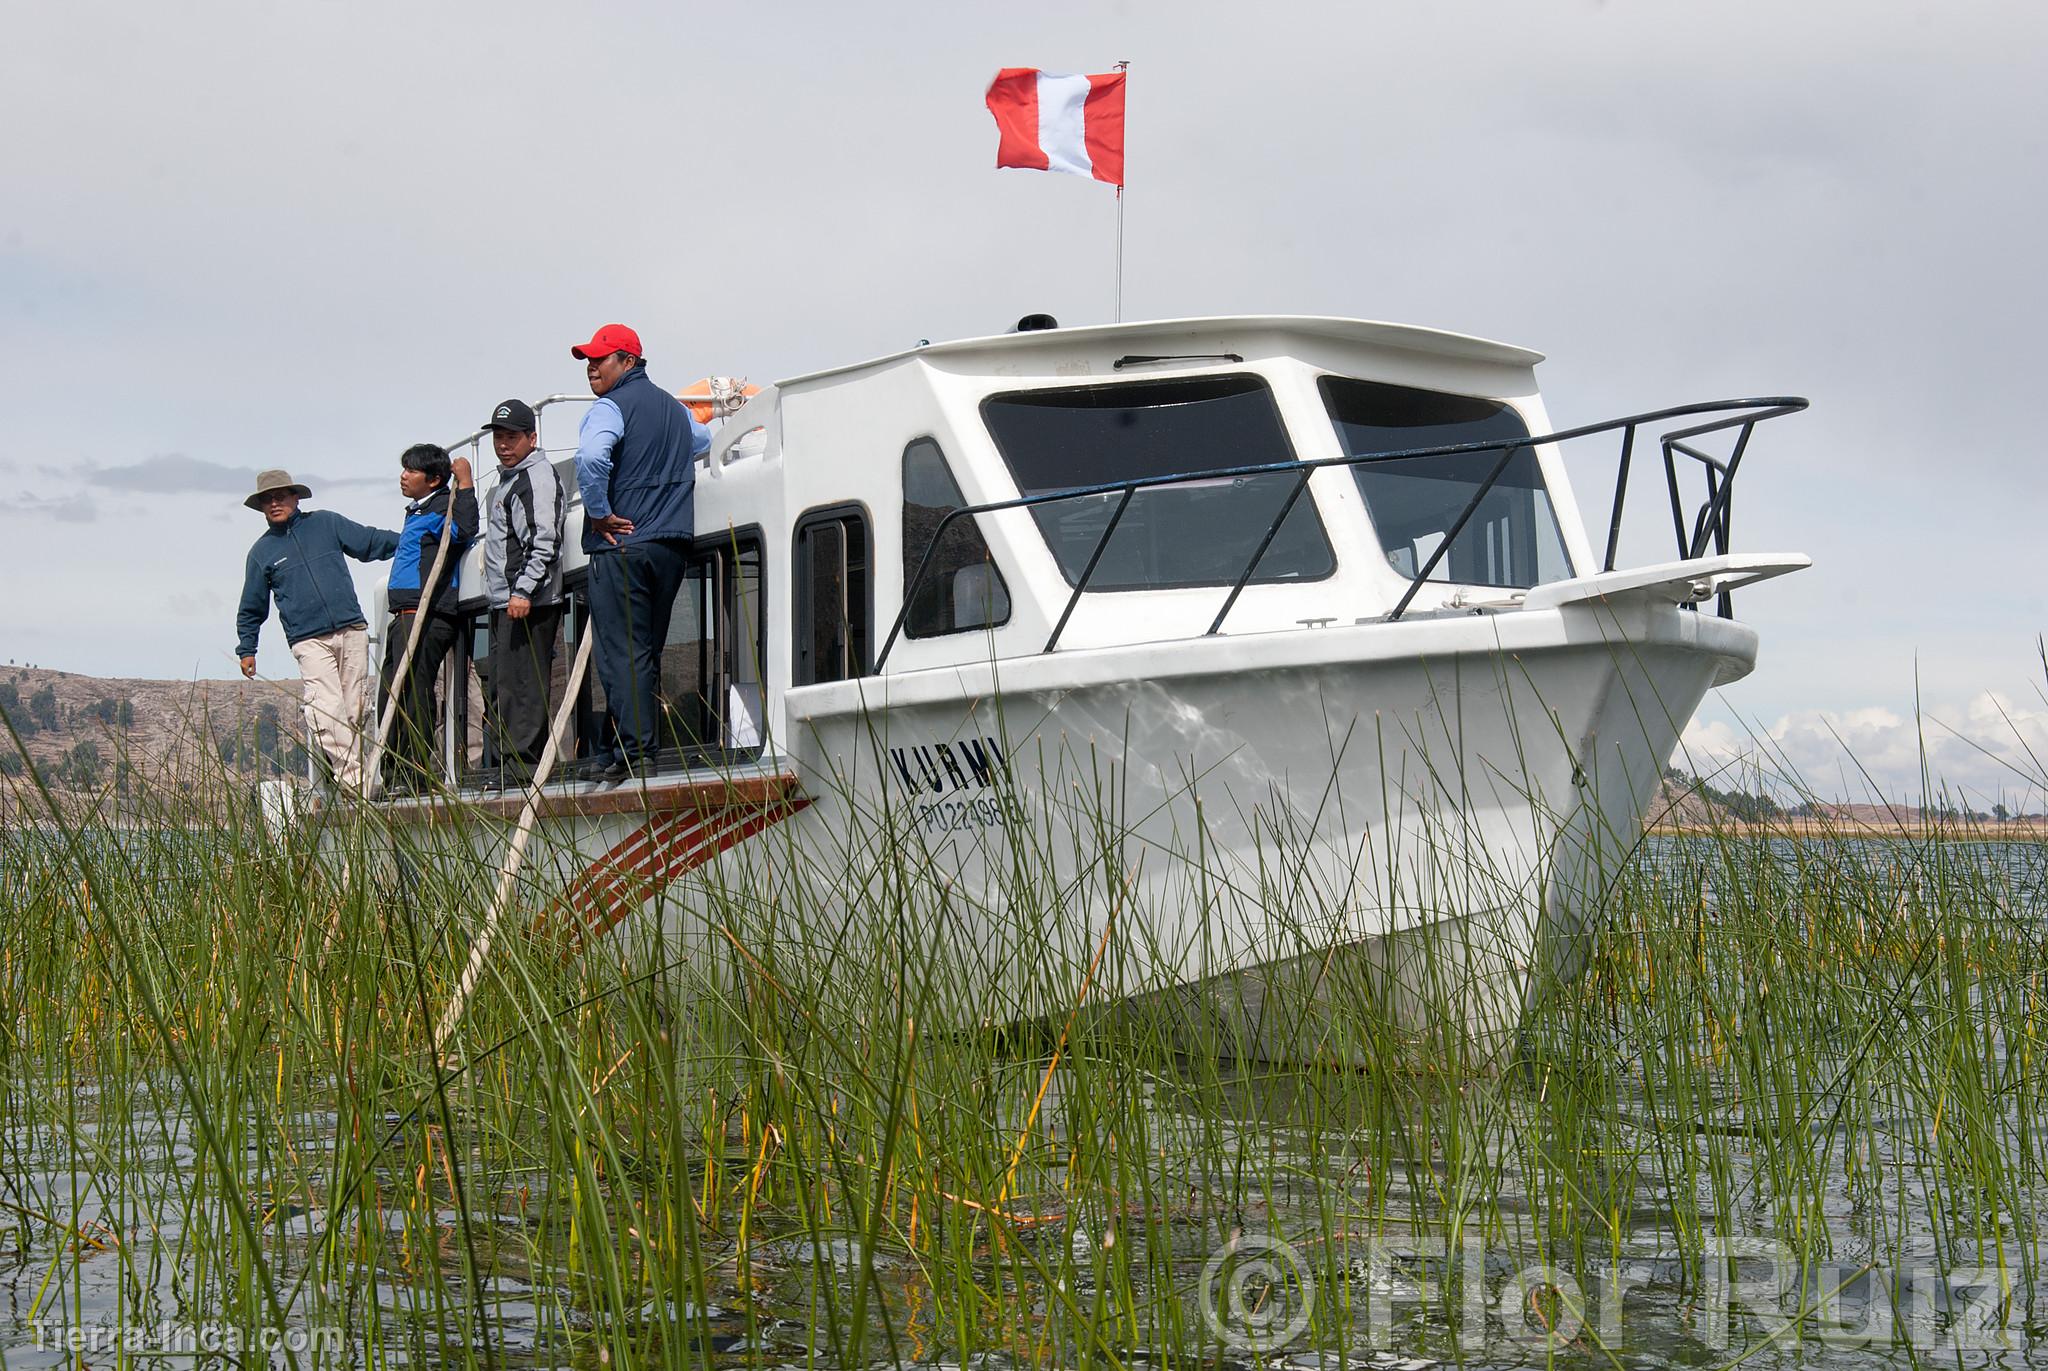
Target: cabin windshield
(1512,538)
(1202,533)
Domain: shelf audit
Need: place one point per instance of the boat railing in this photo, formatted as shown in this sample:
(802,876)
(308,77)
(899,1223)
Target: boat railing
(474,441)
(1707,528)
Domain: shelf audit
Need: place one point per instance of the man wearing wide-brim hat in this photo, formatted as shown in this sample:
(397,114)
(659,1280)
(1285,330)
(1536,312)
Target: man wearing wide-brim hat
(299,562)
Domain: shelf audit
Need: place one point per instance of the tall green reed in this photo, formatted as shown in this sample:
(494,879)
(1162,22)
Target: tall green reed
(822,1099)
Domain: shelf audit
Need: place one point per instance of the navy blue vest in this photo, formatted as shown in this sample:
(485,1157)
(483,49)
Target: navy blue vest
(653,480)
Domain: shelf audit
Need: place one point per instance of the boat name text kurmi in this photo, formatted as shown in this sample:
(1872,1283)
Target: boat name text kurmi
(973,772)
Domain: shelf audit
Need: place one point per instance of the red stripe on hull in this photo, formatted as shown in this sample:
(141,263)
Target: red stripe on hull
(648,860)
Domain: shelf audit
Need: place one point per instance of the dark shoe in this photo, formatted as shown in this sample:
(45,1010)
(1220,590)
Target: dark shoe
(617,771)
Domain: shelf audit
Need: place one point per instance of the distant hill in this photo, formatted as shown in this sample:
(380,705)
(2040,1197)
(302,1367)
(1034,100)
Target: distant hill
(97,737)
(92,735)
(1687,804)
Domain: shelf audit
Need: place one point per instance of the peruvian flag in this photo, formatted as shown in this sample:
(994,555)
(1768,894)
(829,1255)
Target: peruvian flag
(1051,122)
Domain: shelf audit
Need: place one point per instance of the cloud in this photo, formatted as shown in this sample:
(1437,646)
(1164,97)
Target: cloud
(1987,747)
(173,473)
(65,509)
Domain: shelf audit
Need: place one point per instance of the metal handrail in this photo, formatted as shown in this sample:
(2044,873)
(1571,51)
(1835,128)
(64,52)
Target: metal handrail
(1709,525)
(476,439)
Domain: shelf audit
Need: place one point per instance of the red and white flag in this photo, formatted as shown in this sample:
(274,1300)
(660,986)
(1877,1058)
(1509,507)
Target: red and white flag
(1051,122)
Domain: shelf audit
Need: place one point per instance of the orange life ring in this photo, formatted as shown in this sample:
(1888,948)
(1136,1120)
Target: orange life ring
(714,397)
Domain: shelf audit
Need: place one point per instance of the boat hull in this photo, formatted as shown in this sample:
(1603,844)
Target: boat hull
(1392,832)
(1334,842)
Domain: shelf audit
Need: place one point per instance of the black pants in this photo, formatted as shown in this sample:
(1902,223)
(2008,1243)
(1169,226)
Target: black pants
(522,664)
(632,593)
(409,760)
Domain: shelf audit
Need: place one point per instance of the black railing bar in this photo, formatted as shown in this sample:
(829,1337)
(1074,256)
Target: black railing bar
(1251,568)
(1699,525)
(1628,447)
(1703,458)
(1718,500)
(1087,572)
(1773,407)
(1443,549)
(1792,406)
(1725,601)
(1789,404)
(915,581)
(1677,500)
(1699,522)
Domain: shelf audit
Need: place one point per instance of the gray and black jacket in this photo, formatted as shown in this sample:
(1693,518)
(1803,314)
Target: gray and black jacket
(523,533)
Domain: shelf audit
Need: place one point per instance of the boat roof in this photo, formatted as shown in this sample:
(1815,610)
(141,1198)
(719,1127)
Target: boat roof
(1219,328)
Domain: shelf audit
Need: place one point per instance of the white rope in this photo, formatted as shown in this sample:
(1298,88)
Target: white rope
(516,855)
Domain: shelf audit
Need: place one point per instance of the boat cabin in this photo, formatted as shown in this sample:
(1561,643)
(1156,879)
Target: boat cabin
(1022,494)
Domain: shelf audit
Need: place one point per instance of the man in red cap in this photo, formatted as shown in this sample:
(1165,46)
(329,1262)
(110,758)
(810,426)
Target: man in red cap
(636,463)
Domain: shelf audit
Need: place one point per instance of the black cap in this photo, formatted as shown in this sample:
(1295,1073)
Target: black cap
(516,415)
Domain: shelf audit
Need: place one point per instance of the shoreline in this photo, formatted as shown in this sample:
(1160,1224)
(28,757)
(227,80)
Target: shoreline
(1990,831)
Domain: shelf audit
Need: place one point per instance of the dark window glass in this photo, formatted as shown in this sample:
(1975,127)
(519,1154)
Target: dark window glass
(832,601)
(961,587)
(710,666)
(710,690)
(1512,538)
(1194,534)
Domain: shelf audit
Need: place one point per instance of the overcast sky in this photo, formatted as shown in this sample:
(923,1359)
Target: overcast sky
(239,236)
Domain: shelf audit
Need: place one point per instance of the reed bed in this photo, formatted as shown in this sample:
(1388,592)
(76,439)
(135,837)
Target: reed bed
(798,1123)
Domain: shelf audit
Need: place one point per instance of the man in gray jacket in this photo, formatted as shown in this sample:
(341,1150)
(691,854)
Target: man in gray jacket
(523,576)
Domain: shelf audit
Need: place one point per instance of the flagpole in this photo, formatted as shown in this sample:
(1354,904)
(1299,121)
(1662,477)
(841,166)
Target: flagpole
(1119,254)
(1124,67)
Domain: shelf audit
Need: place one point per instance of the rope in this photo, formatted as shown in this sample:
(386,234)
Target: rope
(516,855)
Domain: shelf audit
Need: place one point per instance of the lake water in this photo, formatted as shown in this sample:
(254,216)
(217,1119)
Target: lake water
(1298,1212)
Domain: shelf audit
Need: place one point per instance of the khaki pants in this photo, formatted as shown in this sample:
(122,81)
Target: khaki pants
(335,667)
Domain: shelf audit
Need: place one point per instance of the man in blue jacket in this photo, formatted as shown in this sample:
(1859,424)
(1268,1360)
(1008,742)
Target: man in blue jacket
(636,464)
(424,476)
(298,561)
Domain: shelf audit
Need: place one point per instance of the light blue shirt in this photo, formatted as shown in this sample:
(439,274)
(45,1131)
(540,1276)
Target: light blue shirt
(598,438)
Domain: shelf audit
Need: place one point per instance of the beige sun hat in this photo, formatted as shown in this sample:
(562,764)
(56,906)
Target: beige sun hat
(277,478)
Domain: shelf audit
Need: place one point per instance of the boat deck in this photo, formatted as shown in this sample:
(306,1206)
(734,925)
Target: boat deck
(696,791)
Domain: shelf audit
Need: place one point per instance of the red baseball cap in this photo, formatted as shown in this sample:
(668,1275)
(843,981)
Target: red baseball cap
(607,340)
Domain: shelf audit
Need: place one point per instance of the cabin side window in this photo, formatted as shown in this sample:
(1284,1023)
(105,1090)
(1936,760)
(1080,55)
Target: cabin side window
(959,587)
(1512,538)
(711,666)
(710,693)
(1201,532)
(834,597)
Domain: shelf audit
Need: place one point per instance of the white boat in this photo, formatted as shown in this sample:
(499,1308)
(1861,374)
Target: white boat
(1281,642)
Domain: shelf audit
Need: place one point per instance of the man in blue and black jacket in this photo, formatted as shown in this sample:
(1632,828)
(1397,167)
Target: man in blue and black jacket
(299,562)
(425,471)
